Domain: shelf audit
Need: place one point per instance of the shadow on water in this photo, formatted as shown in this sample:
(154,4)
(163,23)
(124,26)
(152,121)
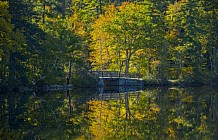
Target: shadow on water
(111,113)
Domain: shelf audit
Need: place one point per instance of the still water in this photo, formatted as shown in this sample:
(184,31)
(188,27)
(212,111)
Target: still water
(153,113)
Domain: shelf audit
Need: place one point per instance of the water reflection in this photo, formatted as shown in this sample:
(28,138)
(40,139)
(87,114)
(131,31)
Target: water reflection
(158,113)
(118,89)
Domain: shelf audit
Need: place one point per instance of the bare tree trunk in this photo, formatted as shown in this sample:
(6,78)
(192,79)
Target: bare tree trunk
(127,106)
(100,6)
(138,98)
(70,72)
(43,14)
(180,64)
(214,60)
(212,110)
(149,67)
(64,9)
(127,63)
(211,61)
(11,71)
(69,101)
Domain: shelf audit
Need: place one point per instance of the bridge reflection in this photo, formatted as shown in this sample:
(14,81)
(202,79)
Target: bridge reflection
(117,92)
(118,89)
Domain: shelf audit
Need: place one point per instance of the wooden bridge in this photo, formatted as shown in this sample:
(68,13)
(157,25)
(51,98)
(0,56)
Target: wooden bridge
(115,78)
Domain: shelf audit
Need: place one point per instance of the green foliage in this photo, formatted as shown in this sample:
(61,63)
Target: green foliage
(5,29)
(12,44)
(180,43)
(43,41)
(125,32)
(189,39)
(36,50)
(82,79)
(155,113)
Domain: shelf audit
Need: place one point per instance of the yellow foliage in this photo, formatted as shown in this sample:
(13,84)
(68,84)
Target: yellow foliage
(154,108)
(139,116)
(155,63)
(175,7)
(180,48)
(151,114)
(171,132)
(181,121)
(172,34)
(81,138)
(47,8)
(118,35)
(102,51)
(100,114)
(187,99)
(203,117)
(77,25)
(202,128)
(187,70)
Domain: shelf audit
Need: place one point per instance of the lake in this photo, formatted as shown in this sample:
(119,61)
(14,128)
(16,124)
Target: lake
(152,113)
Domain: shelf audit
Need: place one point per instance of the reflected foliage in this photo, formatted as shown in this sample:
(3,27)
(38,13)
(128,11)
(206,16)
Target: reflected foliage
(158,113)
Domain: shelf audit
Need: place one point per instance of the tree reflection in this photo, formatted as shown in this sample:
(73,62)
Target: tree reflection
(158,113)
(126,117)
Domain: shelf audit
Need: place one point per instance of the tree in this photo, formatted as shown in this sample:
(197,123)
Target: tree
(6,37)
(12,44)
(128,30)
(187,36)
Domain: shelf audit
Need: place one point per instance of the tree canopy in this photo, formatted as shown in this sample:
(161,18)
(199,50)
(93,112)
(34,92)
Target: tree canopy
(46,41)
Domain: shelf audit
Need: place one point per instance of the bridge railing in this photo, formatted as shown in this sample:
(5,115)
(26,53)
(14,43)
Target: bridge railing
(113,74)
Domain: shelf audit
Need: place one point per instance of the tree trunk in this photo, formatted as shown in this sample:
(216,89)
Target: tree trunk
(11,71)
(69,73)
(43,14)
(127,63)
(149,67)
(64,9)
(127,106)
(180,64)
(100,6)
(214,60)
(211,61)
(69,101)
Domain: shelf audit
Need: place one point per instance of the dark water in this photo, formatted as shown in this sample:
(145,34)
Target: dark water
(157,113)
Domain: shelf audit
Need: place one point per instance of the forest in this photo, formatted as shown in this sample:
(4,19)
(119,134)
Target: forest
(49,41)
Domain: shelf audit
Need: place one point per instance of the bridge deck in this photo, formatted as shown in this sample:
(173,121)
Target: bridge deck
(121,78)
